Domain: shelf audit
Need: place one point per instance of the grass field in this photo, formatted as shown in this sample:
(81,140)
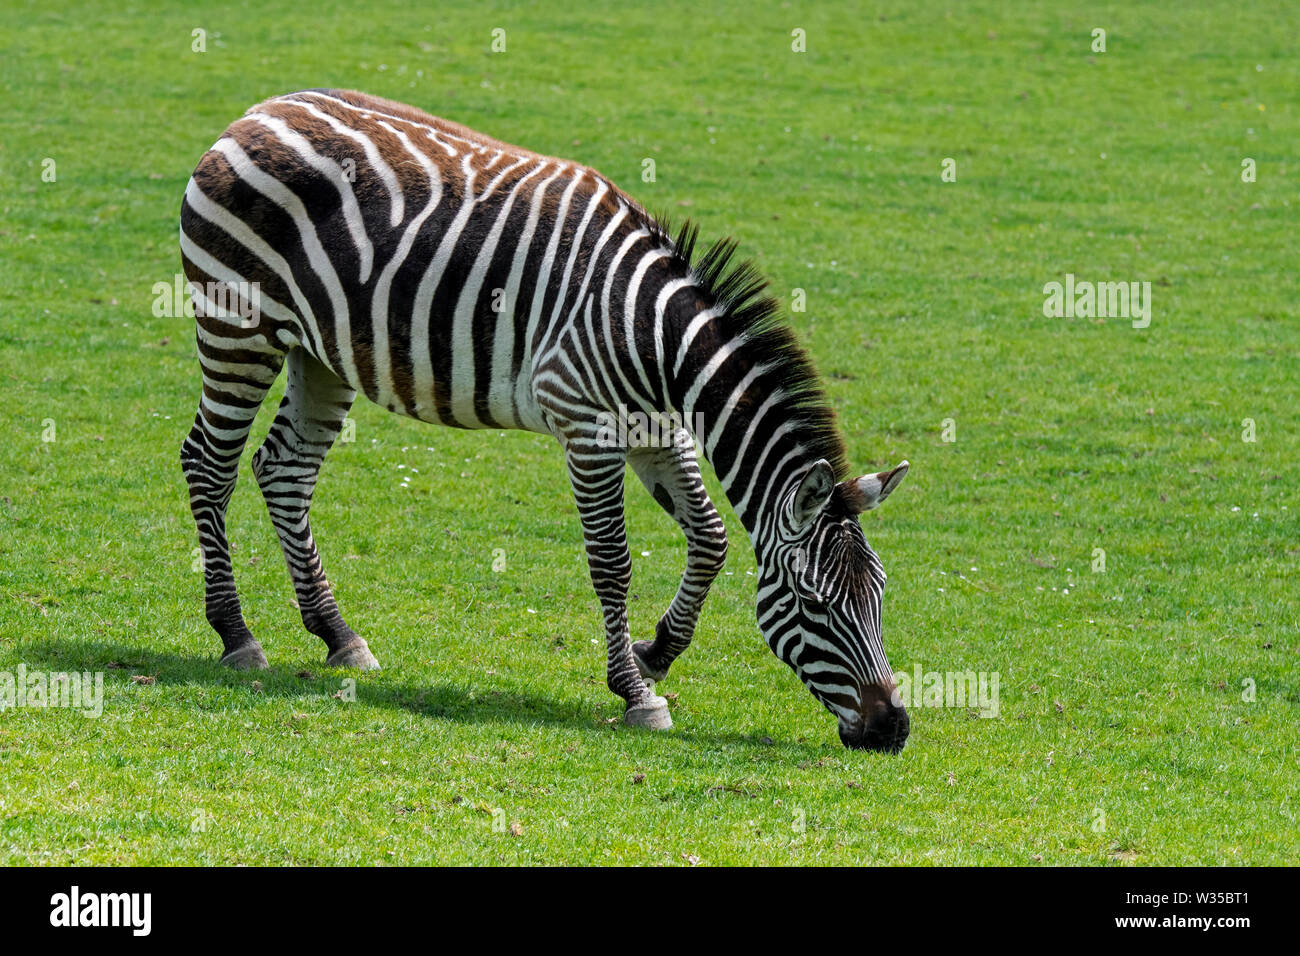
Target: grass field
(1148,711)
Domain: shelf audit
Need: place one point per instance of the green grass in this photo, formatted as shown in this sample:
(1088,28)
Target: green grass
(1123,733)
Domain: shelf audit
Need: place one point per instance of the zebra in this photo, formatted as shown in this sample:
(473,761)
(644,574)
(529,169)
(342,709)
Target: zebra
(462,281)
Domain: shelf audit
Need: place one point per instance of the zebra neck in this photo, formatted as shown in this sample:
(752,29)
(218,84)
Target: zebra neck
(750,425)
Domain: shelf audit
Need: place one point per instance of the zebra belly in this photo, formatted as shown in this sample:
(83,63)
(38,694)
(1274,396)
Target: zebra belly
(470,397)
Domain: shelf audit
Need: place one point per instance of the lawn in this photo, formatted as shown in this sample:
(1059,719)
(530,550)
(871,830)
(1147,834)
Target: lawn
(1149,690)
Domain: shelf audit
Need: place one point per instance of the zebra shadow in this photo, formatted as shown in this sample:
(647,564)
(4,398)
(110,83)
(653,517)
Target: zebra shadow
(124,665)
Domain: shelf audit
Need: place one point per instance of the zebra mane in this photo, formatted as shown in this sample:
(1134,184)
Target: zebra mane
(749,311)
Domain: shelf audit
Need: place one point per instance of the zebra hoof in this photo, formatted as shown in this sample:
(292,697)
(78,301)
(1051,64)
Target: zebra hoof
(648,673)
(246,657)
(651,713)
(354,656)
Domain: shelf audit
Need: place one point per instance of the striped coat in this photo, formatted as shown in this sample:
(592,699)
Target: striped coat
(461,281)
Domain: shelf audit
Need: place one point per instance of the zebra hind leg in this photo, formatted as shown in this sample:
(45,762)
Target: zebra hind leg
(672,476)
(234,384)
(315,405)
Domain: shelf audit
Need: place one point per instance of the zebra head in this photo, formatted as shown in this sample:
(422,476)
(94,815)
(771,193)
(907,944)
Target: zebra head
(819,595)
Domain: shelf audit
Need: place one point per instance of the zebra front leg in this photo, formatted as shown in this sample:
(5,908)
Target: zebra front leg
(316,402)
(596,474)
(672,476)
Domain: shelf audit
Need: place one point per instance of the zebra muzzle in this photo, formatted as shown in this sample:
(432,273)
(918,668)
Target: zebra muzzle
(884,725)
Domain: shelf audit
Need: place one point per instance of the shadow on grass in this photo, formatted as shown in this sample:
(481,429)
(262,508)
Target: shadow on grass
(443,700)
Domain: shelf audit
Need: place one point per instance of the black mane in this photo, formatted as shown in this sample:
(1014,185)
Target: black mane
(750,311)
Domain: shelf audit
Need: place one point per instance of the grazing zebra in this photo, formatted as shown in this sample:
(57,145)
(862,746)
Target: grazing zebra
(462,281)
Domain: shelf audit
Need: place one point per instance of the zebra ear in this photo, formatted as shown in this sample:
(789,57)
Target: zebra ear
(814,491)
(863,494)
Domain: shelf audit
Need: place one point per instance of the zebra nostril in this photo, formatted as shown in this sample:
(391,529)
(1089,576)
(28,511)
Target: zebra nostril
(902,727)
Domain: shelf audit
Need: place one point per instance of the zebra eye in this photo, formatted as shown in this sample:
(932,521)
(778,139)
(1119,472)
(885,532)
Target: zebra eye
(808,591)
(814,602)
